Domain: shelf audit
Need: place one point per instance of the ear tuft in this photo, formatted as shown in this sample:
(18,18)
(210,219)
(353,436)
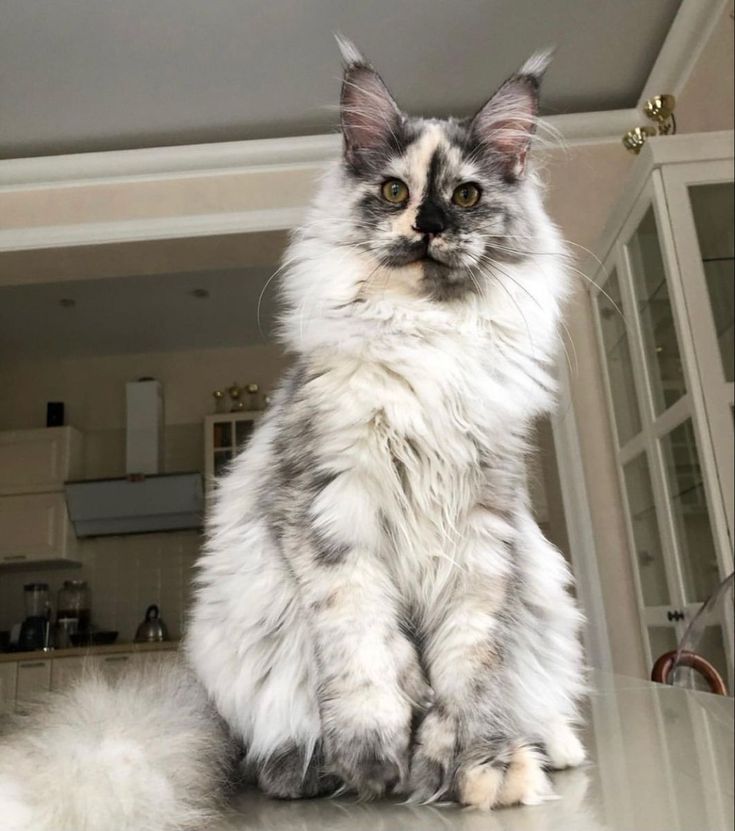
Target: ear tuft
(369,115)
(507,122)
(537,64)
(350,53)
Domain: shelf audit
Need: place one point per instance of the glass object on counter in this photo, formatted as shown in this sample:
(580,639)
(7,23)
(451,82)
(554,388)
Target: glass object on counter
(35,599)
(74,602)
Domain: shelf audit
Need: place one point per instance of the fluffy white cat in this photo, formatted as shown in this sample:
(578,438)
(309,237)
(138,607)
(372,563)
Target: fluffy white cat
(376,608)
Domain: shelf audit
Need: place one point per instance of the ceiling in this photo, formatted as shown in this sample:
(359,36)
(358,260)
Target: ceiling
(151,313)
(84,75)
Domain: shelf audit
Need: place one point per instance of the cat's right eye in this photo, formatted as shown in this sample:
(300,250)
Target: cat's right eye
(395,191)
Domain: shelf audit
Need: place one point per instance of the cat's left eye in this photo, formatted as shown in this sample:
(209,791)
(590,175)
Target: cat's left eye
(466,195)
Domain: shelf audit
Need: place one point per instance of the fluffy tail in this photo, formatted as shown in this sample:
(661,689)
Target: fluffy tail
(144,753)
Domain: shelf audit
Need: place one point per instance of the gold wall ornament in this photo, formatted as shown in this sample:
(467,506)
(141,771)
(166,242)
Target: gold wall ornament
(660,110)
(634,139)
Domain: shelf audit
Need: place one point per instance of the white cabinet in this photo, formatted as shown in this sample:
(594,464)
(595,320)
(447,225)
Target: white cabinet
(34,679)
(34,464)
(67,671)
(36,461)
(8,682)
(35,527)
(112,666)
(664,317)
(159,658)
(22,681)
(224,437)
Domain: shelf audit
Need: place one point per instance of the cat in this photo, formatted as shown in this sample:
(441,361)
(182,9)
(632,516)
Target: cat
(376,606)
(376,609)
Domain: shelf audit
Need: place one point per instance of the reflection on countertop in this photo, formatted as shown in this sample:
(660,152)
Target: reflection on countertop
(661,759)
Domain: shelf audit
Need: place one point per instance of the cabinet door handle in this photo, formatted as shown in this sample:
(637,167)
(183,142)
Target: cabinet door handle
(14,557)
(675,614)
(32,664)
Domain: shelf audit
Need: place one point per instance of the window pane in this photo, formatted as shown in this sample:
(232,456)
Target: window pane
(713,217)
(662,639)
(645,532)
(617,356)
(698,558)
(222,459)
(660,343)
(243,429)
(222,434)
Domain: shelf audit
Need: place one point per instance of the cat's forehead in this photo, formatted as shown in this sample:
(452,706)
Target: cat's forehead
(437,150)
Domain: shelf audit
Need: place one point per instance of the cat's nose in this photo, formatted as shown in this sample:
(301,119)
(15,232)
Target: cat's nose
(430,219)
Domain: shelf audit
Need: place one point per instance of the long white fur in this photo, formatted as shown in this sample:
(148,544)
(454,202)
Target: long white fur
(440,372)
(476,356)
(144,753)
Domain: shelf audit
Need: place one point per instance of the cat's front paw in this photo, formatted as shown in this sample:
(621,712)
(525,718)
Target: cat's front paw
(366,739)
(563,748)
(480,773)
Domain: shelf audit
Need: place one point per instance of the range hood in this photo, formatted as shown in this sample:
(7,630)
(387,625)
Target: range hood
(135,504)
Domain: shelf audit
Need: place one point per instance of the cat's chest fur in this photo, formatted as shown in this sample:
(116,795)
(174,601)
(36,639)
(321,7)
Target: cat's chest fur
(425,419)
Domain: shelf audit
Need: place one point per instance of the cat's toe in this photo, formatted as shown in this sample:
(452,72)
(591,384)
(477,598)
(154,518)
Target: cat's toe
(563,748)
(433,756)
(288,773)
(368,767)
(427,779)
(514,777)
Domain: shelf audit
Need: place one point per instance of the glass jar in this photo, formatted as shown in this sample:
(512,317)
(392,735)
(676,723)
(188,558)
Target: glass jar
(75,601)
(35,599)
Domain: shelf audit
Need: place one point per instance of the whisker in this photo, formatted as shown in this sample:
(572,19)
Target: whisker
(567,265)
(284,264)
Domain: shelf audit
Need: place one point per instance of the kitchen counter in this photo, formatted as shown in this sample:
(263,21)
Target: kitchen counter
(77,651)
(661,759)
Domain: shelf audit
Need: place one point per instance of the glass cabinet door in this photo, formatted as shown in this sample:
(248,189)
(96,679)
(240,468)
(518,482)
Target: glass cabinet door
(701,201)
(665,453)
(712,208)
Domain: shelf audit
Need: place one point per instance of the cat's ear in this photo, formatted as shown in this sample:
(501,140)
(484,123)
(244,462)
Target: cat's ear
(506,123)
(368,113)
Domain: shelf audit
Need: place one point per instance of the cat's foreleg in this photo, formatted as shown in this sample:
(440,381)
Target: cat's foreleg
(470,746)
(368,674)
(549,673)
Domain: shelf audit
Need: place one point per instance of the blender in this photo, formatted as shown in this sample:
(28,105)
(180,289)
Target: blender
(34,631)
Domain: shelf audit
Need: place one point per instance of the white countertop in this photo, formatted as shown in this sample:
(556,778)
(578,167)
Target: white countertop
(661,760)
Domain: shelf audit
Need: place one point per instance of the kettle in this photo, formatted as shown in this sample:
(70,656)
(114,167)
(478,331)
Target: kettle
(152,629)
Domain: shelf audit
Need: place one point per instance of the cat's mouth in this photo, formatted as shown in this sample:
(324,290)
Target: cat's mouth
(416,254)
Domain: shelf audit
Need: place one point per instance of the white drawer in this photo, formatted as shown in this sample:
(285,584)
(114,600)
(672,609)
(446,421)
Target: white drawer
(34,678)
(67,671)
(112,666)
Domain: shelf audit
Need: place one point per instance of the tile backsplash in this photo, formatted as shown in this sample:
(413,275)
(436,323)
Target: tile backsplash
(126,574)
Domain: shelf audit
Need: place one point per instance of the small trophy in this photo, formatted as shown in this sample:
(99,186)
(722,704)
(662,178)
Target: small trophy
(219,401)
(235,393)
